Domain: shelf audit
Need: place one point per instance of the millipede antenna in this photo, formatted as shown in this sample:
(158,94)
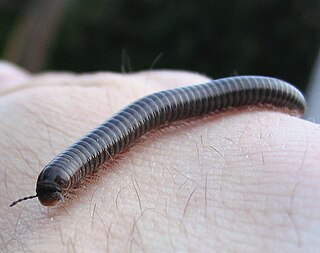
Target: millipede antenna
(22,199)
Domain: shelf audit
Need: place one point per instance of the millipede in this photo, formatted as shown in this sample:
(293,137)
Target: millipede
(85,156)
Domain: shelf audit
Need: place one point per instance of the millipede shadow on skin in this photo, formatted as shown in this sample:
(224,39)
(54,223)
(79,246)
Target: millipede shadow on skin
(89,182)
(93,179)
(151,112)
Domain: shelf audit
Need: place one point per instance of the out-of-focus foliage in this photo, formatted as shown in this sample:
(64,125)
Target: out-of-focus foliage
(217,38)
(9,15)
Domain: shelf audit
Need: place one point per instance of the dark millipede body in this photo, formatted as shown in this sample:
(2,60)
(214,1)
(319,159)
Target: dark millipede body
(150,112)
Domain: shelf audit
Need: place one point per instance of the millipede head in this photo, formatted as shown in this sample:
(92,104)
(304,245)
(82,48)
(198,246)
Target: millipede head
(49,194)
(22,199)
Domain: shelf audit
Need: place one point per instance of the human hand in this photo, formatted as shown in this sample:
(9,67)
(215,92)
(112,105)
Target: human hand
(245,180)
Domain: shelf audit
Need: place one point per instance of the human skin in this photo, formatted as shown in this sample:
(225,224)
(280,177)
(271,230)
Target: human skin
(246,180)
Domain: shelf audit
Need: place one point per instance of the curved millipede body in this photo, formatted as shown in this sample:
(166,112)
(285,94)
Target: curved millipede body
(150,112)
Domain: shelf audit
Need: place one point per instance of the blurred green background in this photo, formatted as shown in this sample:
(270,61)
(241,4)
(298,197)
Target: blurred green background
(212,37)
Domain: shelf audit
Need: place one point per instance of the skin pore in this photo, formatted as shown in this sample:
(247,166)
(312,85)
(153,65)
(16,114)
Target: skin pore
(244,180)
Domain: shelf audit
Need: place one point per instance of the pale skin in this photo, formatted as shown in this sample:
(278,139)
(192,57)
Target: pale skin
(241,181)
